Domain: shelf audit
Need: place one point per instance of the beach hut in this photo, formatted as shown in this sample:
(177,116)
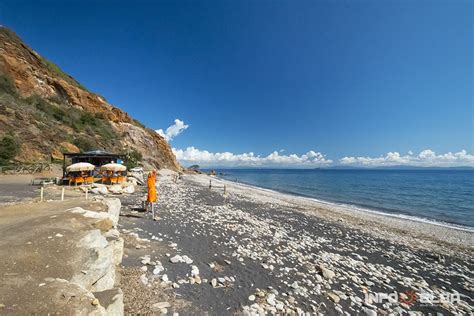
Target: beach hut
(80,172)
(95,157)
(113,173)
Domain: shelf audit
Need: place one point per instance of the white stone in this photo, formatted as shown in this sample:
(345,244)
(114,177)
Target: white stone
(160,305)
(158,270)
(176,259)
(194,270)
(271,299)
(186,259)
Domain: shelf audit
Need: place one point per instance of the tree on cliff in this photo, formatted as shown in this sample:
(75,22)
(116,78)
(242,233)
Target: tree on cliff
(8,149)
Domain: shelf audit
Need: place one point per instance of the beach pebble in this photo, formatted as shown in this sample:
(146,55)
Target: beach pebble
(145,259)
(161,305)
(252,298)
(271,299)
(197,279)
(176,259)
(144,279)
(334,297)
(328,274)
(369,312)
(194,270)
(158,269)
(186,259)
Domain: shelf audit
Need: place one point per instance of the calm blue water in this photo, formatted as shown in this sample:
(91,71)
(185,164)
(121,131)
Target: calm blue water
(439,195)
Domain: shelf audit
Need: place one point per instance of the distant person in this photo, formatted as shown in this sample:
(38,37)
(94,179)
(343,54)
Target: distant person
(151,187)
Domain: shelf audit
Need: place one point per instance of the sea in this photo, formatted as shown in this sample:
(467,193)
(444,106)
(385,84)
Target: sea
(443,196)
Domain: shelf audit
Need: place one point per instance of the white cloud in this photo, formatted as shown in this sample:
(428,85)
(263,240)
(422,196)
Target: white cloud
(205,158)
(426,158)
(173,131)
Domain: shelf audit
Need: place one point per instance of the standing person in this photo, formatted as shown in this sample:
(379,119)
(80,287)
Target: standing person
(151,186)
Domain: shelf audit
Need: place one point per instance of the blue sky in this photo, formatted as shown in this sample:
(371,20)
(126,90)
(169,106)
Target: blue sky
(346,79)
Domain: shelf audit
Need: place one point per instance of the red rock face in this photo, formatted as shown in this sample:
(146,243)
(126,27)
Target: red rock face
(32,75)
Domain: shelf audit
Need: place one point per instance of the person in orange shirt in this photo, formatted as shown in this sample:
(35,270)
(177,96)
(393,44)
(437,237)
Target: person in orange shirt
(151,187)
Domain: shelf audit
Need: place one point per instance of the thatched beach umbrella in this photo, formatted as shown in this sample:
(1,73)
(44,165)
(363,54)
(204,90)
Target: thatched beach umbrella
(113,167)
(80,166)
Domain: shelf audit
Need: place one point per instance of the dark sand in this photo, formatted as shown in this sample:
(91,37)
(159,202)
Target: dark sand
(278,252)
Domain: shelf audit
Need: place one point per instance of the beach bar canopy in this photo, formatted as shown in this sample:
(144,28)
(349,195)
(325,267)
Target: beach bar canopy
(113,173)
(113,167)
(80,172)
(96,157)
(80,166)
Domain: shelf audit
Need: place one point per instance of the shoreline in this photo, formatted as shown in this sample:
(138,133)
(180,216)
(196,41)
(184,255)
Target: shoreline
(356,207)
(435,237)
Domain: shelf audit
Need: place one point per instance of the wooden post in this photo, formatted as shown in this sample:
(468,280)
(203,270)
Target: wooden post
(62,194)
(41,194)
(87,191)
(225,190)
(210,184)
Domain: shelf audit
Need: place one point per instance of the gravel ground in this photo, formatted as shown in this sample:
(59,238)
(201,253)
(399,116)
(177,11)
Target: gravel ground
(246,252)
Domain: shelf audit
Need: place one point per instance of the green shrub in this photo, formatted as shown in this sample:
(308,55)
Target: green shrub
(88,119)
(85,144)
(9,148)
(134,159)
(6,85)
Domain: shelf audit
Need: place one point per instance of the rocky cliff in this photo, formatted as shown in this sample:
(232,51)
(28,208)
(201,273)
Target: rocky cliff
(48,112)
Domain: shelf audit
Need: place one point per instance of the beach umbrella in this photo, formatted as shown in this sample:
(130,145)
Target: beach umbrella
(113,167)
(80,166)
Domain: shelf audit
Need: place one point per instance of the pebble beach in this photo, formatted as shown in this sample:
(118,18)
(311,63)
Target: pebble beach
(253,251)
